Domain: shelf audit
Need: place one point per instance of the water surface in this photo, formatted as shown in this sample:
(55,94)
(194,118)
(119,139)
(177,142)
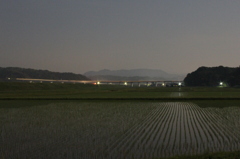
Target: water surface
(116,129)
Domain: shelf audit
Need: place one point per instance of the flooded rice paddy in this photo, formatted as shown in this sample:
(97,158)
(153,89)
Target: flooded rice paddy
(74,129)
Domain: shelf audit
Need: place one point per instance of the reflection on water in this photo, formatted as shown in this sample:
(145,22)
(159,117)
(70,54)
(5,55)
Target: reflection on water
(117,129)
(176,128)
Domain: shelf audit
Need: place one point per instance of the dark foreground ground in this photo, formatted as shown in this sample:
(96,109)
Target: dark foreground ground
(219,155)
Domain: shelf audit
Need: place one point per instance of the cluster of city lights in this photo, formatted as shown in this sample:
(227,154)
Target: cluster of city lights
(125,83)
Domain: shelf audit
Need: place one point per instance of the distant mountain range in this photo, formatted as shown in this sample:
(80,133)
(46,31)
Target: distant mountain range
(133,74)
(16,72)
(113,75)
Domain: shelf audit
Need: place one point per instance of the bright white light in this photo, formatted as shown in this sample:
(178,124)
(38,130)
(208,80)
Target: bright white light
(98,82)
(221,83)
(179,83)
(163,84)
(125,83)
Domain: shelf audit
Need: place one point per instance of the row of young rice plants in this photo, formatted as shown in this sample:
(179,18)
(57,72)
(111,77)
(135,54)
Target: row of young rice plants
(177,128)
(67,129)
(117,130)
(231,117)
(141,140)
(217,131)
(123,142)
(209,132)
(206,135)
(227,120)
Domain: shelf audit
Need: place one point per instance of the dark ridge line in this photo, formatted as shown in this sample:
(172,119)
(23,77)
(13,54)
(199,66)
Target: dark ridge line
(177,99)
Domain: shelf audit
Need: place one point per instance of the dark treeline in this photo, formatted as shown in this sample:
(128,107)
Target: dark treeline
(16,72)
(212,76)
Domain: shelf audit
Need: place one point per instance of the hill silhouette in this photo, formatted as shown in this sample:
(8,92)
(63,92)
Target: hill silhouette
(212,76)
(133,74)
(16,72)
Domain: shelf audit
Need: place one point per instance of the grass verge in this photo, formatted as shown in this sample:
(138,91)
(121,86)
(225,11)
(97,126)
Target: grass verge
(56,91)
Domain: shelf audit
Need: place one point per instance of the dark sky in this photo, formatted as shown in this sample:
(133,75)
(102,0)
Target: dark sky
(177,36)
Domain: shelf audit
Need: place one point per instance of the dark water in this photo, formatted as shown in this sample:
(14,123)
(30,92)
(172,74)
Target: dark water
(73,129)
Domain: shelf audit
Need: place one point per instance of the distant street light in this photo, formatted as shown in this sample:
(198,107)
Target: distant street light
(221,83)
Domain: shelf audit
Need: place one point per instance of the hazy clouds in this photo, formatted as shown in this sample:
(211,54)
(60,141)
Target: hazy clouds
(79,36)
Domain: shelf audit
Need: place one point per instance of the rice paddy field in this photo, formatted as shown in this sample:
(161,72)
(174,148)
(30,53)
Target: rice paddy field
(117,129)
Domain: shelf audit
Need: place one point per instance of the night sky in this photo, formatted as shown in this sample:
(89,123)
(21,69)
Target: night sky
(176,36)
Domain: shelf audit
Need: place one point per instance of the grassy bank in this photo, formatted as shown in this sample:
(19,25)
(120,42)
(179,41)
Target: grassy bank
(86,91)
